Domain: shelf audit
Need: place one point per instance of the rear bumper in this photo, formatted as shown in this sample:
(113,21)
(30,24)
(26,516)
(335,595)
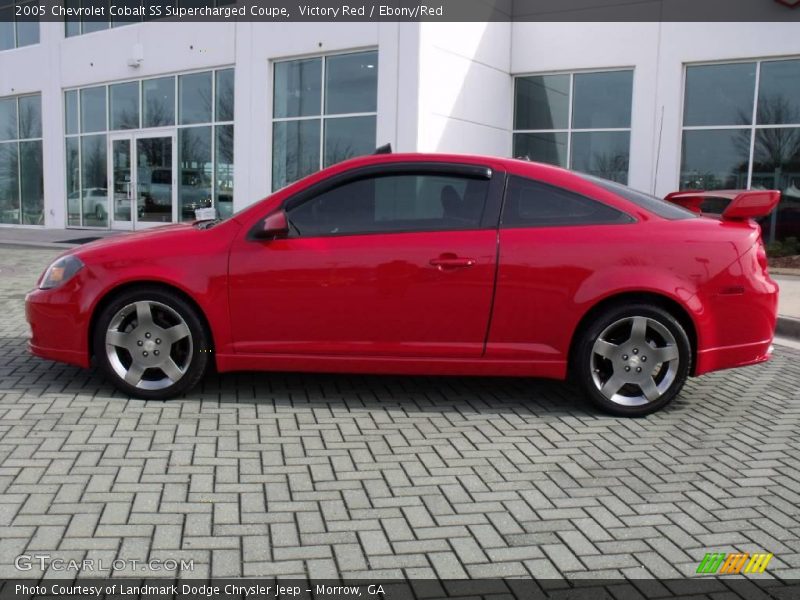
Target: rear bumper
(730,357)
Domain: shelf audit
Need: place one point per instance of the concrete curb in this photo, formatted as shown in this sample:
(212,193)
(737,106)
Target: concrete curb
(29,244)
(788,327)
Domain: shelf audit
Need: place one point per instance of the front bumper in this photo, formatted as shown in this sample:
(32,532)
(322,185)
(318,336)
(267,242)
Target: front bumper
(59,329)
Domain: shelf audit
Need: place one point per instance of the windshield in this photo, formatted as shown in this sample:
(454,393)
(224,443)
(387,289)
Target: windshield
(662,208)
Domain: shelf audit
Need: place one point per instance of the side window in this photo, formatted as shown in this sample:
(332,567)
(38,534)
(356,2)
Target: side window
(530,203)
(393,203)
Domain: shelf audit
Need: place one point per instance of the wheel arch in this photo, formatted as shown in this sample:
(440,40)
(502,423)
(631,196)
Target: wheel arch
(113,293)
(675,308)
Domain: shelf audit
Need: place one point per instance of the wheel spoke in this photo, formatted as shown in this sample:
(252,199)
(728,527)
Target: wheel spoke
(134,374)
(650,390)
(612,386)
(119,339)
(171,370)
(639,330)
(144,317)
(605,349)
(176,333)
(665,354)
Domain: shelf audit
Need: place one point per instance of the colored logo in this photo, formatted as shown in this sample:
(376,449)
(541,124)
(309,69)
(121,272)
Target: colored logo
(735,563)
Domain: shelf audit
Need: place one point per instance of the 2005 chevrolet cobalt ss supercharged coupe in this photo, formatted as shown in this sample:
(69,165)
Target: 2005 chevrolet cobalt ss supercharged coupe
(427,264)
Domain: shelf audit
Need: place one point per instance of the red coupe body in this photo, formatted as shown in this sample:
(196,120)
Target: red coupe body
(498,298)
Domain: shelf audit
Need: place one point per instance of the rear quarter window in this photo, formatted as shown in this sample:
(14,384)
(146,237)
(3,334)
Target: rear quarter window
(531,203)
(652,204)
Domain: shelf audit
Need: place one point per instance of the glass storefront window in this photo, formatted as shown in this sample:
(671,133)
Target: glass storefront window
(202,151)
(324,111)
(194,93)
(158,99)
(124,105)
(21,190)
(723,147)
(17,31)
(576,120)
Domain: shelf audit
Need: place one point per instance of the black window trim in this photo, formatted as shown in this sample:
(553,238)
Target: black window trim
(491,208)
(631,219)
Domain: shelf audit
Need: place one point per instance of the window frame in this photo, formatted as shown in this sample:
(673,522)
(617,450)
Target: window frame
(570,130)
(16,21)
(322,117)
(214,124)
(18,141)
(752,128)
(491,209)
(630,219)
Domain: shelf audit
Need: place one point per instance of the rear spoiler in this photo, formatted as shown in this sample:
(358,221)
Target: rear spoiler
(738,204)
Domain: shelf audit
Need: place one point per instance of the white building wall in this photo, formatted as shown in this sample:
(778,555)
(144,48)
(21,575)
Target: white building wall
(658,53)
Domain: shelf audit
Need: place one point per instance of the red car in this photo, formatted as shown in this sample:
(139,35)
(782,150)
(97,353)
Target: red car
(426,264)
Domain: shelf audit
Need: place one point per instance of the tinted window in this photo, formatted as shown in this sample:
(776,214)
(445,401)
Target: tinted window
(533,204)
(398,203)
(719,94)
(662,208)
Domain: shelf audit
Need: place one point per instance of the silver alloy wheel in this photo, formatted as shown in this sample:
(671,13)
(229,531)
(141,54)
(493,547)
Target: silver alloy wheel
(149,345)
(634,361)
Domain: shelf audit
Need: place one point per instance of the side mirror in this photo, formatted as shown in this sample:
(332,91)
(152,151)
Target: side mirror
(276,225)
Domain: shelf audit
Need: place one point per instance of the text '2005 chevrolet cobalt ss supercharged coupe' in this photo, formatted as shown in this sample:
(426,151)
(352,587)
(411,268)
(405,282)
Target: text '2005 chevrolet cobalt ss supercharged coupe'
(427,264)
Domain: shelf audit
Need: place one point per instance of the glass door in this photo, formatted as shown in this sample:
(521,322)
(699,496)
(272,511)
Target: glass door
(121,176)
(155,193)
(142,171)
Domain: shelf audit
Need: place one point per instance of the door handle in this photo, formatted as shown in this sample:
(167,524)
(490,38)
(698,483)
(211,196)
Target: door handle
(451,261)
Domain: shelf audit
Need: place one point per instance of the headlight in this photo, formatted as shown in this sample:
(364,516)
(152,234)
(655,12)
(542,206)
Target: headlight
(61,271)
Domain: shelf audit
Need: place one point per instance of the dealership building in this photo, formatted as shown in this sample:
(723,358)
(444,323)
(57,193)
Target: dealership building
(124,127)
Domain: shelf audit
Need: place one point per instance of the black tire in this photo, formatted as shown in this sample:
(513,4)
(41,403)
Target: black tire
(191,353)
(594,371)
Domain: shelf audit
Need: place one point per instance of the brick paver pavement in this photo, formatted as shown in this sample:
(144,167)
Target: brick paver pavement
(311,475)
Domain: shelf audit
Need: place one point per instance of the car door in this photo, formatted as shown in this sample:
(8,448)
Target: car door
(395,263)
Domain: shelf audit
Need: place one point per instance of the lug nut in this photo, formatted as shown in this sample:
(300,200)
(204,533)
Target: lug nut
(638,369)
(158,340)
(627,368)
(636,351)
(624,357)
(147,335)
(155,352)
(144,353)
(139,343)
(644,359)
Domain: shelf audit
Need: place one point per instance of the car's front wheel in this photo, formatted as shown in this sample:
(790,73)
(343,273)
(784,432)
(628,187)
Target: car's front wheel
(151,343)
(633,360)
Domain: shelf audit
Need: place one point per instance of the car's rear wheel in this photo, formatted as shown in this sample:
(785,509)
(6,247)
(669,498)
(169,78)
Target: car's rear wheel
(633,360)
(151,343)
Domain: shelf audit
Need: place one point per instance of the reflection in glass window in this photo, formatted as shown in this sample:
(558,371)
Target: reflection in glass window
(544,146)
(541,102)
(602,153)
(295,150)
(158,99)
(203,149)
(298,88)
(348,137)
(93,109)
(21,196)
(577,120)
(351,83)
(17,31)
(345,126)
(194,98)
(124,105)
(224,95)
(719,94)
(195,170)
(223,170)
(760,155)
